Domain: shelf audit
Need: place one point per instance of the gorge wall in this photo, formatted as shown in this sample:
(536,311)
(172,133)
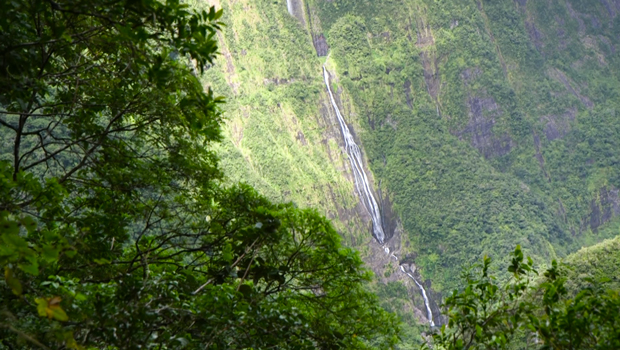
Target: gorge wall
(483,124)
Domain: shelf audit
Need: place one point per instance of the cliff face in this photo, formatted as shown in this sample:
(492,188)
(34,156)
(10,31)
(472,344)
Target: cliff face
(283,136)
(490,123)
(485,124)
(282,133)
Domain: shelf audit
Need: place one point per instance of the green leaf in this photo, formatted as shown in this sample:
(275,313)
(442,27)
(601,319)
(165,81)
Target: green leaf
(41,306)
(9,227)
(227,253)
(29,223)
(50,253)
(12,238)
(32,268)
(59,314)
(101,261)
(12,282)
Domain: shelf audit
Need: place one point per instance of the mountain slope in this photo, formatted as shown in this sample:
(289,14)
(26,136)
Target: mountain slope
(486,124)
(282,135)
(598,262)
(489,123)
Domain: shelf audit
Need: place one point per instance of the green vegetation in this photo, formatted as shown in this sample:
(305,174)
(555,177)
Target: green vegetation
(138,210)
(530,312)
(280,135)
(116,230)
(488,123)
(395,298)
(600,262)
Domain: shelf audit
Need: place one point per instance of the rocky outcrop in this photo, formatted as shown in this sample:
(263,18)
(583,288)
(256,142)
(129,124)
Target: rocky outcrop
(539,156)
(424,289)
(390,266)
(425,41)
(407,88)
(612,7)
(320,44)
(604,207)
(577,16)
(557,126)
(536,36)
(483,112)
(521,3)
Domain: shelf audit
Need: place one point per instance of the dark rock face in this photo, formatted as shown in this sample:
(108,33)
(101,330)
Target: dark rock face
(608,43)
(424,33)
(604,207)
(574,14)
(612,6)
(557,127)
(407,87)
(479,129)
(431,73)
(435,299)
(539,156)
(388,217)
(301,138)
(470,74)
(521,3)
(535,35)
(320,45)
(428,58)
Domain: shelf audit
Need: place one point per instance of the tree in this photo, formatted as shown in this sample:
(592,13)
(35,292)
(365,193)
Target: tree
(529,312)
(115,228)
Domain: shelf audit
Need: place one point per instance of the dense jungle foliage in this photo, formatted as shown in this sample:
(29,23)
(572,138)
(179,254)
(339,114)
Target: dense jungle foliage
(489,123)
(532,310)
(116,229)
(139,210)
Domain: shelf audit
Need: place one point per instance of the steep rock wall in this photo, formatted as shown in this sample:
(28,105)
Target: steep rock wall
(282,133)
(528,86)
(486,123)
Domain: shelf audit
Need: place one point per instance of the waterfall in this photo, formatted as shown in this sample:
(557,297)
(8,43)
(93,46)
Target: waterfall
(289,6)
(429,313)
(357,166)
(364,190)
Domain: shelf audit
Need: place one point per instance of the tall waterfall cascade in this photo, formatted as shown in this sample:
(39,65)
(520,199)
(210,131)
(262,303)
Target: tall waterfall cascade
(357,166)
(365,192)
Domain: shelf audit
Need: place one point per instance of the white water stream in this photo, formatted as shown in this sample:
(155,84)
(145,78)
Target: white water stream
(289,6)
(364,189)
(429,313)
(357,166)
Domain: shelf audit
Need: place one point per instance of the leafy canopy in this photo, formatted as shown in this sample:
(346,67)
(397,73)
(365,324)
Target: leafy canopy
(115,231)
(530,311)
